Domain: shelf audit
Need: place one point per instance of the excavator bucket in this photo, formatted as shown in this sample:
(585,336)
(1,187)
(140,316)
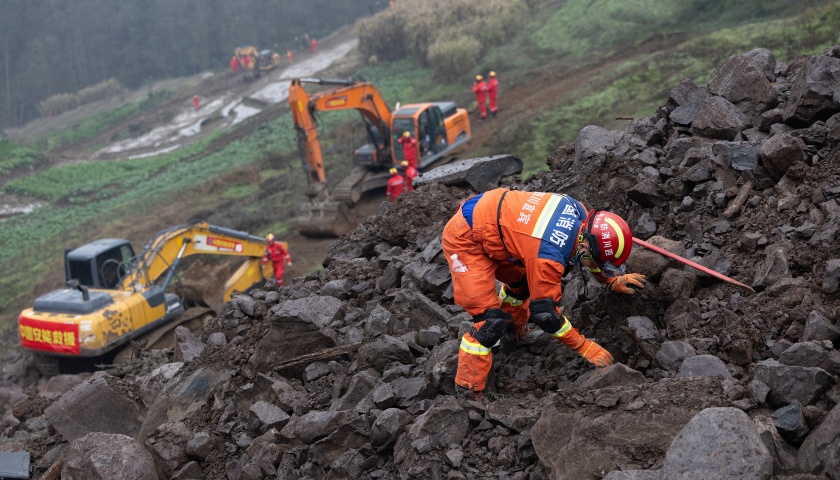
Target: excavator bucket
(327,219)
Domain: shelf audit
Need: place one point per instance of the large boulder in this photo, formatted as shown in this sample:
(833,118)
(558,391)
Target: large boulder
(107,456)
(742,81)
(719,118)
(718,443)
(813,95)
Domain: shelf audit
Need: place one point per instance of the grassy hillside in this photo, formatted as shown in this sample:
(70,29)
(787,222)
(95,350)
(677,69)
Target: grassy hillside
(629,53)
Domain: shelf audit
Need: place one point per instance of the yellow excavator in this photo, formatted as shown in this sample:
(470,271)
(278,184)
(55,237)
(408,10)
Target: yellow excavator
(253,61)
(114,296)
(439,127)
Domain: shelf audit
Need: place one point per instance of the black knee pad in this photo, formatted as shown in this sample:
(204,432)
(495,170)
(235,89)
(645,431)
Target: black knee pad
(544,315)
(495,325)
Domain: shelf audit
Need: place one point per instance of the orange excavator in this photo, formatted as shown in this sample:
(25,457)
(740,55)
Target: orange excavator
(439,127)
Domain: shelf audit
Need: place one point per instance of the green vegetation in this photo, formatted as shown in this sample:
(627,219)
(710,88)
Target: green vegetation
(92,126)
(13,157)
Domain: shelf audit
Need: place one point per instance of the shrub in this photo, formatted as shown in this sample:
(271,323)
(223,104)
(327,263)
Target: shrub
(63,102)
(430,32)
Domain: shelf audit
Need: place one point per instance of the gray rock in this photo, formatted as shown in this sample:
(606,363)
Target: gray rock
(217,338)
(361,385)
(739,156)
(379,321)
(152,383)
(831,280)
(812,93)
(644,327)
(187,346)
(781,151)
(818,354)
(289,395)
(720,119)
(647,194)
(784,455)
(422,312)
(671,354)
(265,415)
(200,445)
(789,384)
(315,370)
(743,82)
(408,391)
(634,475)
(95,406)
(388,426)
(168,446)
(339,288)
(645,227)
(381,351)
(718,443)
(511,414)
(593,141)
(107,456)
(291,337)
(677,284)
(773,268)
(390,277)
(765,60)
(319,424)
(652,264)
(689,99)
(820,453)
(819,327)
(703,366)
(616,375)
(186,394)
(480,173)
(790,422)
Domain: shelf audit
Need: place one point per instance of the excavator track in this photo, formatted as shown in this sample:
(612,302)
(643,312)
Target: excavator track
(349,189)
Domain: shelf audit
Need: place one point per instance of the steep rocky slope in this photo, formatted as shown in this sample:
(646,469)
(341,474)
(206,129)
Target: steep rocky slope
(348,373)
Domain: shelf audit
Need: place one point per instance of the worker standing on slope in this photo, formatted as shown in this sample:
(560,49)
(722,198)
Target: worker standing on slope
(410,174)
(492,91)
(480,91)
(196,102)
(527,240)
(277,253)
(409,145)
(396,185)
(234,64)
(289,56)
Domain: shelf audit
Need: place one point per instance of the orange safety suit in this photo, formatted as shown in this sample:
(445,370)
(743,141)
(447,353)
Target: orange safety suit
(505,234)
(234,64)
(409,145)
(410,174)
(278,255)
(289,55)
(480,91)
(492,91)
(396,186)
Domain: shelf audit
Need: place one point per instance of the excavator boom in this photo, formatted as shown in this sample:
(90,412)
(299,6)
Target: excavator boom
(96,315)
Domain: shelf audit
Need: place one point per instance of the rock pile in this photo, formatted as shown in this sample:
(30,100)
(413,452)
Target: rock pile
(348,373)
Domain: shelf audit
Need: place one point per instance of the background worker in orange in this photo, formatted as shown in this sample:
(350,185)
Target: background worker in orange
(277,253)
(527,240)
(492,91)
(396,185)
(289,55)
(234,64)
(196,101)
(410,174)
(409,145)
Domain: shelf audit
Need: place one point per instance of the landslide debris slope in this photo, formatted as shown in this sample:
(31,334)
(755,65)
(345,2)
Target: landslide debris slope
(348,373)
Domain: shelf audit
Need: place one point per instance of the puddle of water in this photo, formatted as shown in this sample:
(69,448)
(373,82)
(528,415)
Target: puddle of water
(12,206)
(242,112)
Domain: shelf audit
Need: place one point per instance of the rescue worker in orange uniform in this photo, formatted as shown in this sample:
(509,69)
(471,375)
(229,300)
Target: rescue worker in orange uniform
(234,64)
(396,185)
(409,145)
(277,253)
(492,91)
(410,174)
(527,240)
(480,91)
(289,56)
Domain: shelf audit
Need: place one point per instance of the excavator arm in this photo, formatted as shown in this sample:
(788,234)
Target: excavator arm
(162,254)
(360,96)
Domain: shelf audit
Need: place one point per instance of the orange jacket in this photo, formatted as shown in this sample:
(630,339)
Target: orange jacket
(409,145)
(538,229)
(277,254)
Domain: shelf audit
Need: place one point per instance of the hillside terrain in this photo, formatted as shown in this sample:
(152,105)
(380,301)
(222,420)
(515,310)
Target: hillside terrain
(348,372)
(730,160)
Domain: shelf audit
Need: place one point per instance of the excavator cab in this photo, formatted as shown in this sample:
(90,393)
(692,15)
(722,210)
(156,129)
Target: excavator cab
(99,264)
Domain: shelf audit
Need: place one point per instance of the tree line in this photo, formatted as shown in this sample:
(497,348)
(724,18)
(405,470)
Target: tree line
(62,46)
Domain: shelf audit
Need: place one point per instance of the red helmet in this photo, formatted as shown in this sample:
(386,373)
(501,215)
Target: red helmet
(610,240)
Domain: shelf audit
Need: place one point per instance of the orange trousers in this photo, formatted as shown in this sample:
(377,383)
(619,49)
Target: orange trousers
(474,276)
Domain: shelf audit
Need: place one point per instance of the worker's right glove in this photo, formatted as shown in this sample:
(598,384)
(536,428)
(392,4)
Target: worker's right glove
(591,351)
(624,283)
